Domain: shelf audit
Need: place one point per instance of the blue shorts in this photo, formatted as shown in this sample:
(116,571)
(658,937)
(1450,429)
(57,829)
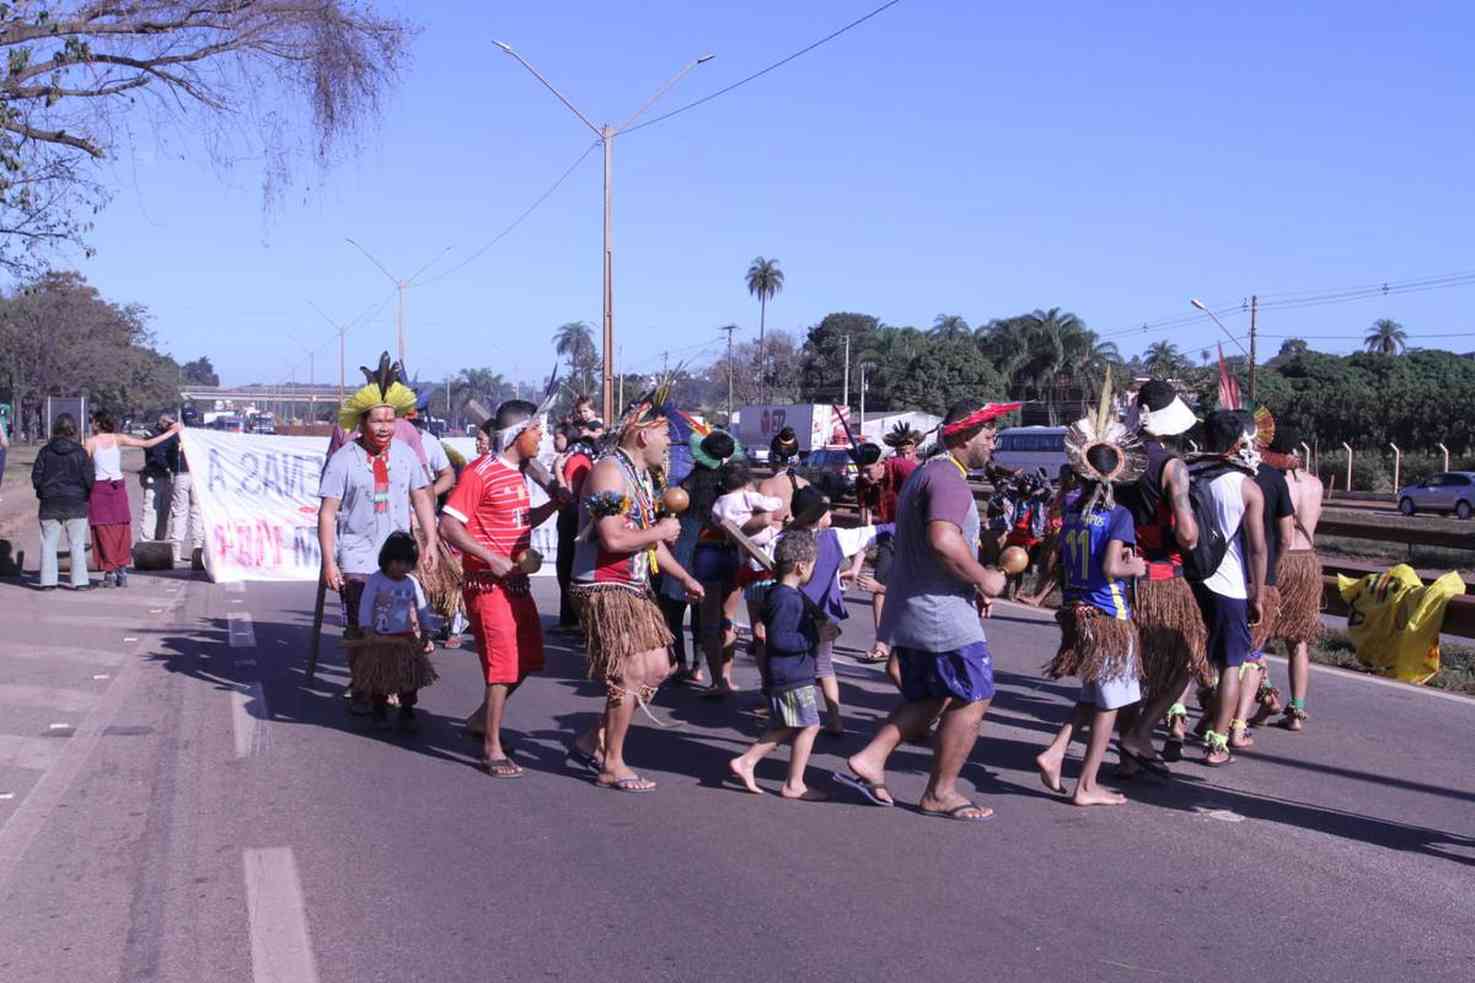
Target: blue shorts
(965,674)
(1228,622)
(796,707)
(715,564)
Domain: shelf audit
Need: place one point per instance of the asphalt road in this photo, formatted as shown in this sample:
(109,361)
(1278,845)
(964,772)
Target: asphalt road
(178,805)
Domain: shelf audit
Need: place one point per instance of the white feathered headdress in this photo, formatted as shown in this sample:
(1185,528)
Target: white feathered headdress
(1114,461)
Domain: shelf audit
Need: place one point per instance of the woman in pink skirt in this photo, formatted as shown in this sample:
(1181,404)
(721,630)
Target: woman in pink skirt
(108,512)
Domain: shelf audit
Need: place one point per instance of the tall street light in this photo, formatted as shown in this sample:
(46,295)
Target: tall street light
(606,135)
(401,286)
(1200,305)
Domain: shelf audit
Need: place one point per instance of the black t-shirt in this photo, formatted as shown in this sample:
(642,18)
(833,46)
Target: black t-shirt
(1272,482)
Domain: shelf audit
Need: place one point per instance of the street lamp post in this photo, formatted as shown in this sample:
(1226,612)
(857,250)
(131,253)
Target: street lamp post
(401,286)
(606,135)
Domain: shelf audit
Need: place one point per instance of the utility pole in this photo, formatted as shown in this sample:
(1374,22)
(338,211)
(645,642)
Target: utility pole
(730,329)
(606,135)
(609,417)
(1254,304)
(846,399)
(863,367)
(401,286)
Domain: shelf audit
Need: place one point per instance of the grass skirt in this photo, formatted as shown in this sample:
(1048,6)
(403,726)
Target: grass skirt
(1270,605)
(619,623)
(1299,573)
(382,664)
(1172,632)
(1095,646)
(443,584)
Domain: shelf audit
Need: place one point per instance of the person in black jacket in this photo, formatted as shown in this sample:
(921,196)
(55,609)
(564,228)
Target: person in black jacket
(157,483)
(62,477)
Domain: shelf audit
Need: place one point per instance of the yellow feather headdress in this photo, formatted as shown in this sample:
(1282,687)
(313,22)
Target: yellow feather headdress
(383,388)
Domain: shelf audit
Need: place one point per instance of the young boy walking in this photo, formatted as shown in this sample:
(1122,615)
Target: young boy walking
(1098,640)
(788,668)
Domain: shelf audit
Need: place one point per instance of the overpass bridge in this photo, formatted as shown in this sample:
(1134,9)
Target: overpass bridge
(286,401)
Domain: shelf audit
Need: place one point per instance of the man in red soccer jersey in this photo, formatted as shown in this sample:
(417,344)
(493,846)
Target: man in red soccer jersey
(487,517)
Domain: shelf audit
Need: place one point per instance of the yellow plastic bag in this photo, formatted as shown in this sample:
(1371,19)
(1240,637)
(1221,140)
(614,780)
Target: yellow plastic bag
(1394,620)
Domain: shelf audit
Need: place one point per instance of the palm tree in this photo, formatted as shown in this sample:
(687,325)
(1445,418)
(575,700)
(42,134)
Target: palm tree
(575,342)
(1387,337)
(1164,360)
(765,280)
(950,326)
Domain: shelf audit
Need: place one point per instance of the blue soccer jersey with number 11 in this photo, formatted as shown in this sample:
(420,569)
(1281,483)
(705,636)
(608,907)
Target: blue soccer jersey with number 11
(1083,540)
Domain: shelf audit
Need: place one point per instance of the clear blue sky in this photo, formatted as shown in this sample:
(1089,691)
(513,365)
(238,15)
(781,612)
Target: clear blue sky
(945,157)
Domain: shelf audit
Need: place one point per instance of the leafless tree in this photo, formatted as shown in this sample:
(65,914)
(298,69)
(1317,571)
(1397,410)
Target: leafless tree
(266,81)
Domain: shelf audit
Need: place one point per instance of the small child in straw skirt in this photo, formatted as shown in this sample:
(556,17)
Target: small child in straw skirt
(1099,641)
(391,655)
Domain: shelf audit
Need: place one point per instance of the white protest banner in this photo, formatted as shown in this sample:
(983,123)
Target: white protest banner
(258,499)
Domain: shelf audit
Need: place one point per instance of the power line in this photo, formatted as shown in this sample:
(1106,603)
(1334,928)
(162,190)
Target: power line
(762,72)
(517,221)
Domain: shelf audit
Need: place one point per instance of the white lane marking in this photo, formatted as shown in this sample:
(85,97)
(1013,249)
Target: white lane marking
(101,675)
(130,638)
(7,795)
(47,698)
(242,630)
(59,727)
(235,587)
(281,950)
(1223,815)
(250,716)
(31,753)
(156,610)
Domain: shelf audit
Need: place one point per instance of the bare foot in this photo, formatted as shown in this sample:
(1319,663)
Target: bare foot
(803,793)
(871,775)
(1097,797)
(1239,739)
(835,730)
(1292,723)
(1049,765)
(743,771)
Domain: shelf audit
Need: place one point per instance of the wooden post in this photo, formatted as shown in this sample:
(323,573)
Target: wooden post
(1254,304)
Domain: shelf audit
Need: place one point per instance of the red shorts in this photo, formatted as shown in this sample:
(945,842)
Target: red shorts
(509,636)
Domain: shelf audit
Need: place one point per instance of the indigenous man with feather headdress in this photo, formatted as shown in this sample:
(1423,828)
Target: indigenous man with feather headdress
(619,543)
(1098,639)
(369,488)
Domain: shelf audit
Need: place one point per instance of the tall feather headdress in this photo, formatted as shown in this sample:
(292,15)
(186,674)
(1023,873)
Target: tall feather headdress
(1100,429)
(383,387)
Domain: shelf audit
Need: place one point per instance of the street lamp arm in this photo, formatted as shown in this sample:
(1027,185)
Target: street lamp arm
(392,278)
(1200,305)
(549,86)
(670,84)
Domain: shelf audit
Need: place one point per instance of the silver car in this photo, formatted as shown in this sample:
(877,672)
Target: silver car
(1452,491)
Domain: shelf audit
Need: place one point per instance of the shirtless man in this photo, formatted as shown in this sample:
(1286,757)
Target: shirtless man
(1299,623)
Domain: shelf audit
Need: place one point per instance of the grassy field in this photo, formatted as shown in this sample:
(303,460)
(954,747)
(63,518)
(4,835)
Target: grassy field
(1422,557)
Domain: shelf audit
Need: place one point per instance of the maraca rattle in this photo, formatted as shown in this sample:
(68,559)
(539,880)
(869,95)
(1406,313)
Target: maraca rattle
(528,561)
(1013,560)
(675,500)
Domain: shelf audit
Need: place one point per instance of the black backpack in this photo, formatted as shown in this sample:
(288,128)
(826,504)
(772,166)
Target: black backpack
(1200,562)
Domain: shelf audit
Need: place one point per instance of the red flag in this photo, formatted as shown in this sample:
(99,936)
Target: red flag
(1228,385)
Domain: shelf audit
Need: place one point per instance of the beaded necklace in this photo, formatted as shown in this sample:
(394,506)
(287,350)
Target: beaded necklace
(644,490)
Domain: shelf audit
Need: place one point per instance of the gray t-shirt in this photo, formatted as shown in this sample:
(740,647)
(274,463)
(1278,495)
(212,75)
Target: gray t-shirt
(927,607)
(349,477)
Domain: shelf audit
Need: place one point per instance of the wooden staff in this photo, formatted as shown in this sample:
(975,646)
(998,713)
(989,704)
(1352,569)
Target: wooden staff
(317,626)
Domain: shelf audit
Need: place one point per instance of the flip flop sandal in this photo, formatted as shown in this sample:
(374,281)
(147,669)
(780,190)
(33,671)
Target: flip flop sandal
(501,768)
(633,785)
(866,788)
(584,758)
(1216,764)
(956,813)
(1149,765)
